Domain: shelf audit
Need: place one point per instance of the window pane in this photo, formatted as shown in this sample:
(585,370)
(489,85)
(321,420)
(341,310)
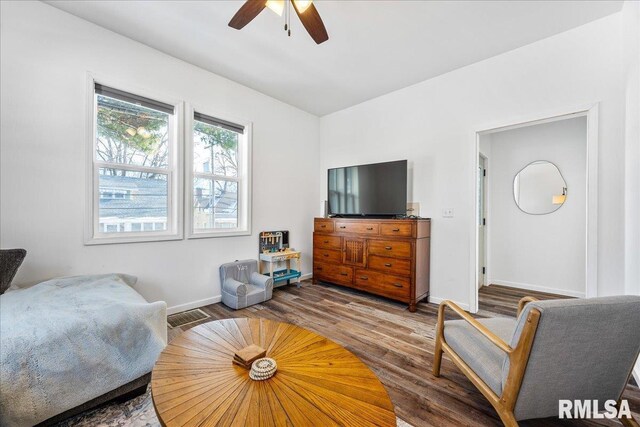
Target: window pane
(215,150)
(131,134)
(215,204)
(146,200)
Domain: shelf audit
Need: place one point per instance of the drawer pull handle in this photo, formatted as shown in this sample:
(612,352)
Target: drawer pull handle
(397,285)
(395,229)
(387,264)
(325,255)
(326,241)
(323,226)
(319,268)
(369,228)
(364,278)
(343,226)
(388,248)
(344,274)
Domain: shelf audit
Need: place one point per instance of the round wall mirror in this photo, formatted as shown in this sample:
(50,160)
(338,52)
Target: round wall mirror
(539,188)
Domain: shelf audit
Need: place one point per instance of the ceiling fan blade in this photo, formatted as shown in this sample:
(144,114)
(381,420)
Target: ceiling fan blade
(313,23)
(249,10)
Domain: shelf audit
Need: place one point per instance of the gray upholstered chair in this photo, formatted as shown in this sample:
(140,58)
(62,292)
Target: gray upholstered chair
(559,349)
(242,285)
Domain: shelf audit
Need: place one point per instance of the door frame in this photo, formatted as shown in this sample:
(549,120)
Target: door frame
(486,224)
(590,111)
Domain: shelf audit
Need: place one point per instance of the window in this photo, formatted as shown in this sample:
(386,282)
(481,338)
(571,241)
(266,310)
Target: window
(136,178)
(220,164)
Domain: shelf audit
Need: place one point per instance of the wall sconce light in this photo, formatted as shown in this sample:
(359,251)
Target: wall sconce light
(560,198)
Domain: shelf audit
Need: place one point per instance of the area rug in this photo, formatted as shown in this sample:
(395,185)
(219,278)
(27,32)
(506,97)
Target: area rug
(136,412)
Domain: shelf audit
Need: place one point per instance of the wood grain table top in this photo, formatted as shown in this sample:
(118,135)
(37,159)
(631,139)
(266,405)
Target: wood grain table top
(318,382)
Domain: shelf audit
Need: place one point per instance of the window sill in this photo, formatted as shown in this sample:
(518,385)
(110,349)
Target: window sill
(214,234)
(131,239)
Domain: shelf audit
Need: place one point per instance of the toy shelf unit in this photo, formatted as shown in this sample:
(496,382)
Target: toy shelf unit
(275,251)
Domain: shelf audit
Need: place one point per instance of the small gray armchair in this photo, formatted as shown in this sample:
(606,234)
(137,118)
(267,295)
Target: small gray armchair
(558,349)
(242,285)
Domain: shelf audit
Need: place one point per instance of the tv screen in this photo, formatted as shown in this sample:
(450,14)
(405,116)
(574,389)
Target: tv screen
(376,189)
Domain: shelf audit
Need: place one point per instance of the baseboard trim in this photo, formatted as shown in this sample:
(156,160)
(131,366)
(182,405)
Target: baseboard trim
(436,300)
(536,288)
(201,303)
(194,304)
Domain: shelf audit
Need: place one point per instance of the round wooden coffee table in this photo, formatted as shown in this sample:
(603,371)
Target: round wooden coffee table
(318,382)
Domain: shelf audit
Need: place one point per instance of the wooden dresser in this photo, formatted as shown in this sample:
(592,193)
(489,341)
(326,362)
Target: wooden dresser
(387,257)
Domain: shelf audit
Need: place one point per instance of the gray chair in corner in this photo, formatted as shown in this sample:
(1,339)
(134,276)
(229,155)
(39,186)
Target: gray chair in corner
(559,349)
(242,285)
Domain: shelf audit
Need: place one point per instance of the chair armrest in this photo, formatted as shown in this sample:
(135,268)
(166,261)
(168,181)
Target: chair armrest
(496,340)
(524,302)
(234,287)
(261,280)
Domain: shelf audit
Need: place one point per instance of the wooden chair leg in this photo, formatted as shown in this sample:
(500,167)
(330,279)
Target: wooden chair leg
(437,357)
(629,422)
(507,418)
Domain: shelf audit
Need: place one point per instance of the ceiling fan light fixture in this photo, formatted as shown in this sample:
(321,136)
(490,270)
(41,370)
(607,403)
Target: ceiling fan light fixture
(302,5)
(276,5)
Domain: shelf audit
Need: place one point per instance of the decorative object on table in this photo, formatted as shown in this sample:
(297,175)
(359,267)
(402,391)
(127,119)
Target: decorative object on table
(274,249)
(242,285)
(263,369)
(246,356)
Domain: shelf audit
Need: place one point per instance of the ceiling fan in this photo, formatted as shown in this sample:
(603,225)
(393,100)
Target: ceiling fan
(305,10)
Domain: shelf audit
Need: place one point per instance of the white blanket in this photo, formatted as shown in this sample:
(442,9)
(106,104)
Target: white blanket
(66,341)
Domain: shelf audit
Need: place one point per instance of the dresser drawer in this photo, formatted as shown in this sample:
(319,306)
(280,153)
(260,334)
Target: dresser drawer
(357,227)
(399,266)
(327,242)
(327,255)
(323,225)
(396,229)
(383,284)
(390,248)
(333,273)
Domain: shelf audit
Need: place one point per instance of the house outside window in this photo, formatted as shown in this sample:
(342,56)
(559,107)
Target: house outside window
(219,196)
(135,168)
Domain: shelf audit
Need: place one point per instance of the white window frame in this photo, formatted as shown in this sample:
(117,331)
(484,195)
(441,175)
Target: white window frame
(175,211)
(243,179)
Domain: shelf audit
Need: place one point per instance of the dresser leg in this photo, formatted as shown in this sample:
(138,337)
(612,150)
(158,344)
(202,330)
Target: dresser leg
(412,307)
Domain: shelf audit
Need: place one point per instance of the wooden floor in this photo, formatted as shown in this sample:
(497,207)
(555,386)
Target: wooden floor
(398,346)
(496,299)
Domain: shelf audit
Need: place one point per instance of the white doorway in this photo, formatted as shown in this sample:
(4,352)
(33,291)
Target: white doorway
(483,217)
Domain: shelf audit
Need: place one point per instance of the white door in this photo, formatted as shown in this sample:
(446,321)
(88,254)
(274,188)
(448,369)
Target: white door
(481,218)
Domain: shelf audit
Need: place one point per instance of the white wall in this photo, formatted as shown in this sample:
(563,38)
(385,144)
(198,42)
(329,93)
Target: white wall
(538,252)
(433,123)
(45,57)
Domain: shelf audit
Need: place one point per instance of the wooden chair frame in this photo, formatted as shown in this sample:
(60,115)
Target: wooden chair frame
(518,358)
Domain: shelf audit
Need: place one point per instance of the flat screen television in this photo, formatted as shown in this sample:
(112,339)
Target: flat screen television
(378,189)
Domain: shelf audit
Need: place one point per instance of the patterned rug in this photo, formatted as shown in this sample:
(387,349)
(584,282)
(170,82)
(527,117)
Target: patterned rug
(136,412)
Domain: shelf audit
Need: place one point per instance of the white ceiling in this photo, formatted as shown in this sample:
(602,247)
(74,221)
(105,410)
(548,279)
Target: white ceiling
(374,47)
